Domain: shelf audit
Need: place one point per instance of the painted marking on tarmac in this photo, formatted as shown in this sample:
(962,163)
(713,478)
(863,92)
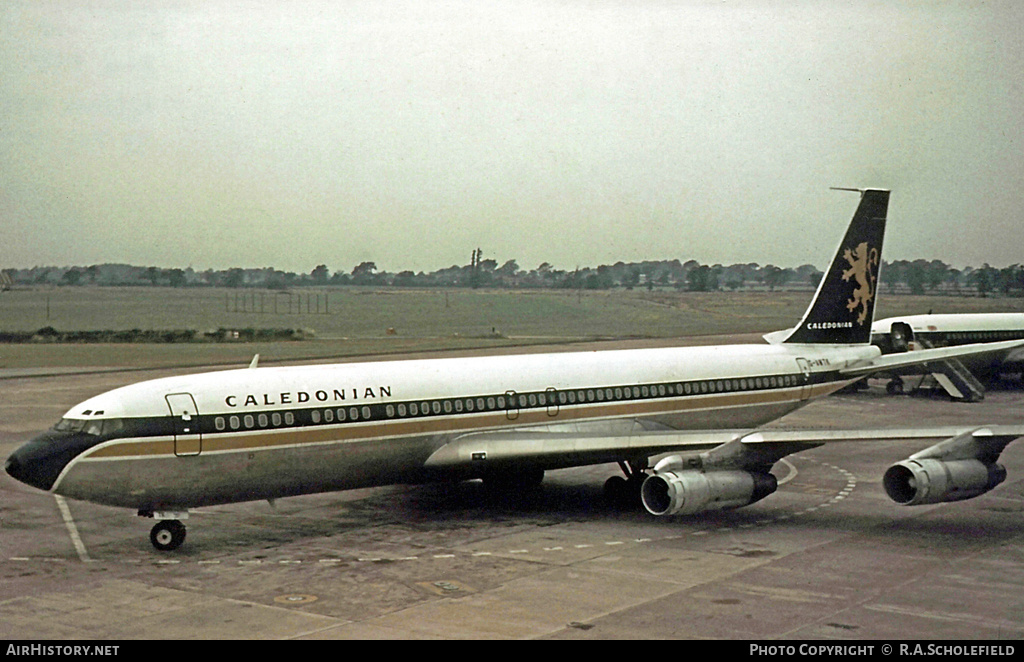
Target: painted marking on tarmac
(69,522)
(851,484)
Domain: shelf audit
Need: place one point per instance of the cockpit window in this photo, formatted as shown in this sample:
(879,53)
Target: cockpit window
(98,427)
(69,425)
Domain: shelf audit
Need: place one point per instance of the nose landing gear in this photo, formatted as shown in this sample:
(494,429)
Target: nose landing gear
(168,533)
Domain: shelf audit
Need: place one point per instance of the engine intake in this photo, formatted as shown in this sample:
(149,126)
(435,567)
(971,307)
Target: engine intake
(687,492)
(914,482)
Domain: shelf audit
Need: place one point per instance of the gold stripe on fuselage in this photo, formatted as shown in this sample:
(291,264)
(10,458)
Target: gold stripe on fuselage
(250,440)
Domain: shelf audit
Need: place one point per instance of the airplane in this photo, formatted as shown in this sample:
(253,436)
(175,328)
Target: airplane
(911,332)
(165,446)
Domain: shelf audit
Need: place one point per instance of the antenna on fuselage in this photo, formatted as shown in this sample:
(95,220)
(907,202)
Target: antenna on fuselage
(255,360)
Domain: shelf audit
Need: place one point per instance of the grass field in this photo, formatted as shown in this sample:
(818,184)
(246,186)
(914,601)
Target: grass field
(355,321)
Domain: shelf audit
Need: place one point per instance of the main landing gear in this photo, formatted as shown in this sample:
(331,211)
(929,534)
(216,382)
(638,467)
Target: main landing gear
(624,491)
(168,533)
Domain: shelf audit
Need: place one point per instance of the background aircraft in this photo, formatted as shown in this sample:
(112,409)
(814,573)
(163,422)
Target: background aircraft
(962,379)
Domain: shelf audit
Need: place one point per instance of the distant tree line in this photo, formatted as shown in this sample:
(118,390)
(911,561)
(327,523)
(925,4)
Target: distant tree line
(49,334)
(935,276)
(913,277)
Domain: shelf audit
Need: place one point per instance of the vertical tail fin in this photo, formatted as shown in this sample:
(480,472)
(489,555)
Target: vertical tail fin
(844,305)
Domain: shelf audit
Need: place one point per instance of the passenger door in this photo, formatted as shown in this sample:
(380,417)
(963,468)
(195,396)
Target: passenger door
(188,439)
(805,379)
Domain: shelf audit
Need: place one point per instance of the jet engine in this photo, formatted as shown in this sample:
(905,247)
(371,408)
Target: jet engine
(897,340)
(687,491)
(958,468)
(914,482)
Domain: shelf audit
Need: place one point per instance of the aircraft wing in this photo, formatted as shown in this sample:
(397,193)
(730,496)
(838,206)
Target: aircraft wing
(920,356)
(746,447)
(565,449)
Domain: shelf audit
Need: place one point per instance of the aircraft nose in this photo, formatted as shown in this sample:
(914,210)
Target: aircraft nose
(16,468)
(13,466)
(24,469)
(40,461)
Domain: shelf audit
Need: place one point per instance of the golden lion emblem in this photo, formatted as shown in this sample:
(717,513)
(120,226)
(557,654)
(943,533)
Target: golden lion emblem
(863,261)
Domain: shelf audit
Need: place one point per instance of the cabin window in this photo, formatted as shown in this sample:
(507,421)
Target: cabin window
(275,418)
(249,421)
(435,407)
(289,418)
(329,415)
(219,423)
(390,410)
(366,412)
(480,404)
(235,422)
(314,416)
(447,406)
(262,418)
(458,405)
(353,414)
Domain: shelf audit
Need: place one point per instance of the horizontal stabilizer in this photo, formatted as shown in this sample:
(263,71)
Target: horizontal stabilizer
(921,356)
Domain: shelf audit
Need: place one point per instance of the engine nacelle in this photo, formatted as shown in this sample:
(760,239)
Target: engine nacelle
(896,341)
(919,481)
(687,491)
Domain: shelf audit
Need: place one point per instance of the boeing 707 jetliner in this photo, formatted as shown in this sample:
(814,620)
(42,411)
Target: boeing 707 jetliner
(164,446)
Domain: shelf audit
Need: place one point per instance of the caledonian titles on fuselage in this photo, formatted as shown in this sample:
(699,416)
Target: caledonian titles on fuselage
(299,397)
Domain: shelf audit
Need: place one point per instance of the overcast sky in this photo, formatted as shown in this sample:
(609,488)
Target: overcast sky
(220,133)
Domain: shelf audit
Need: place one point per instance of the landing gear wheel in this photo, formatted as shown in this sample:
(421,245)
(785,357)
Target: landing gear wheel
(894,387)
(167,535)
(624,492)
(615,490)
(526,479)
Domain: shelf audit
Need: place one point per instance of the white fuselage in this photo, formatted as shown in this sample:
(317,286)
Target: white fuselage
(263,433)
